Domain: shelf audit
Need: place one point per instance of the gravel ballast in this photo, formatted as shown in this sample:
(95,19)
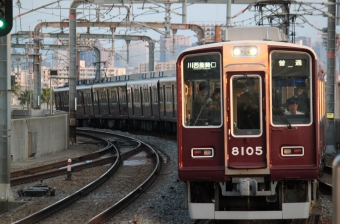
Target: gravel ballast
(163,202)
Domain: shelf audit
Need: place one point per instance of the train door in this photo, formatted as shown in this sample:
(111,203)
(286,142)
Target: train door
(246,137)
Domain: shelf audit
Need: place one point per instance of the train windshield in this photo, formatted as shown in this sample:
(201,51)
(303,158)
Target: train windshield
(201,90)
(246,92)
(291,88)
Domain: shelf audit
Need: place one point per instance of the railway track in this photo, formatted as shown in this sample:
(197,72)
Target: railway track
(325,183)
(60,168)
(118,158)
(136,144)
(57,165)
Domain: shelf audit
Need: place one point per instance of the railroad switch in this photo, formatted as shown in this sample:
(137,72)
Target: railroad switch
(37,191)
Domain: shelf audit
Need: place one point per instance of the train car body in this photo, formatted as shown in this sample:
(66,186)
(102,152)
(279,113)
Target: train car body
(140,94)
(110,98)
(258,153)
(168,104)
(143,101)
(168,99)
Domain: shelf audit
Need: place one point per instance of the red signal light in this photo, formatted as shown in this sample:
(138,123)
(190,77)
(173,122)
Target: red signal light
(297,151)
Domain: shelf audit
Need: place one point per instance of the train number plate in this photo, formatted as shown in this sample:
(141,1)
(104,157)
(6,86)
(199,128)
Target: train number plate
(248,151)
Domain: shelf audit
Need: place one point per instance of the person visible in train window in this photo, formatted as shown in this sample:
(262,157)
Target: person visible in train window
(240,104)
(214,108)
(253,96)
(215,103)
(253,108)
(303,100)
(292,106)
(201,102)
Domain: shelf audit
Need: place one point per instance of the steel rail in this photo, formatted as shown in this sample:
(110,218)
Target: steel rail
(328,170)
(63,171)
(136,193)
(325,187)
(60,164)
(313,219)
(54,208)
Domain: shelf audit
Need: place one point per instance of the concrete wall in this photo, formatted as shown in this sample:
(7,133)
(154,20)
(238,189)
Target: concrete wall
(38,136)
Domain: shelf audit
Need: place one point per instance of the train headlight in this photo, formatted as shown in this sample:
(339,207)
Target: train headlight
(292,151)
(202,152)
(252,51)
(237,51)
(245,51)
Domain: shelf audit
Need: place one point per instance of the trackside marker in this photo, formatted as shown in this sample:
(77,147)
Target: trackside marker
(69,164)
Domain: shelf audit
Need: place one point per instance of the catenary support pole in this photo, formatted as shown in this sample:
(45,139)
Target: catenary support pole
(330,84)
(5,122)
(72,75)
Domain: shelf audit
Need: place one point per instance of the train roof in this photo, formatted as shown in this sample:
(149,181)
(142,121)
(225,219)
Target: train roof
(168,78)
(259,35)
(84,86)
(59,89)
(144,81)
(66,88)
(108,84)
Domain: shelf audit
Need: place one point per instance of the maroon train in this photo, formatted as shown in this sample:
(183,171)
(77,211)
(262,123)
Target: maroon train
(249,117)
(257,151)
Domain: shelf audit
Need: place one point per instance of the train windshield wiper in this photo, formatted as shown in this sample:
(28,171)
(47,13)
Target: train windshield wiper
(277,109)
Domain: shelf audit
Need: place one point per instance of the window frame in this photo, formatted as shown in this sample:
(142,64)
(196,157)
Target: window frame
(260,89)
(183,86)
(309,78)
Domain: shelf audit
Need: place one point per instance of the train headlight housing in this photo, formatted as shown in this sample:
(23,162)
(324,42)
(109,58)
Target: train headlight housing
(202,152)
(245,51)
(292,151)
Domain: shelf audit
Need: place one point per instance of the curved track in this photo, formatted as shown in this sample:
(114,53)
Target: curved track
(54,208)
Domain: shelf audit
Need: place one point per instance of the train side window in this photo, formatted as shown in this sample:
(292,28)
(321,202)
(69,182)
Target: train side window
(122,95)
(155,95)
(103,99)
(146,95)
(201,93)
(136,94)
(291,88)
(114,96)
(95,100)
(129,97)
(79,99)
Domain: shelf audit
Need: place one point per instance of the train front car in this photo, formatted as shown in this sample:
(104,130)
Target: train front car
(251,128)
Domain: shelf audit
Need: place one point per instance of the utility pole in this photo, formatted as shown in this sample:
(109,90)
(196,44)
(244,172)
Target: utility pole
(330,84)
(5,123)
(167,19)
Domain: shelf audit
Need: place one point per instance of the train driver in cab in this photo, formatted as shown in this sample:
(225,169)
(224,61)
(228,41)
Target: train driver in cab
(292,106)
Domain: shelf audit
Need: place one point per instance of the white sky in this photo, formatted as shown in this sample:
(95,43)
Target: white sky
(197,13)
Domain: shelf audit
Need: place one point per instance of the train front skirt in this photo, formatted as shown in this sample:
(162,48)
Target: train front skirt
(296,210)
